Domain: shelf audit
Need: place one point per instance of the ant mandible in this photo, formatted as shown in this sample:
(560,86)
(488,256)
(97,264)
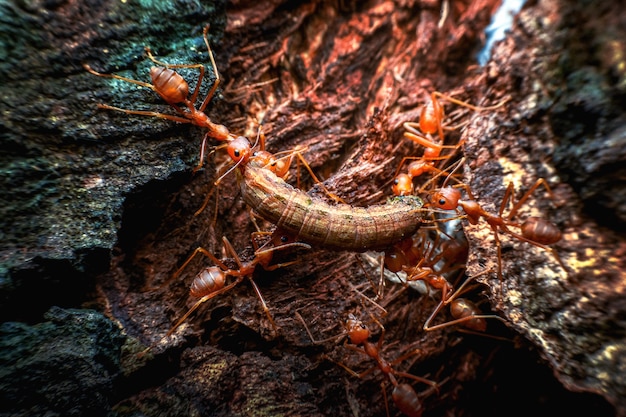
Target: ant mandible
(173,88)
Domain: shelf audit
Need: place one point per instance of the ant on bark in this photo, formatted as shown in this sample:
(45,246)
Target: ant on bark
(463,311)
(173,88)
(430,122)
(435,260)
(403,394)
(534,230)
(211,281)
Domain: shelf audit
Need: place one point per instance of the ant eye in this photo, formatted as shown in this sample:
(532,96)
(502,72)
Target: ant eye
(237,153)
(284,239)
(442,202)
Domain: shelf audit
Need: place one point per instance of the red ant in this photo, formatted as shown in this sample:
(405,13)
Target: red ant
(534,230)
(403,394)
(433,268)
(463,311)
(211,281)
(241,153)
(173,88)
(430,122)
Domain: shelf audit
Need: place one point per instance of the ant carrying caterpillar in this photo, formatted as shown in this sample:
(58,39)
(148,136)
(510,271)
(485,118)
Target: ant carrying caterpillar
(313,220)
(338,226)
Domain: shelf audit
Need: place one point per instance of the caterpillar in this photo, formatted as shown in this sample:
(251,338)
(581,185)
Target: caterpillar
(332,226)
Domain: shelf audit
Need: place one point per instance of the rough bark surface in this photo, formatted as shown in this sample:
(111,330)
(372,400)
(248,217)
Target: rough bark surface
(98,208)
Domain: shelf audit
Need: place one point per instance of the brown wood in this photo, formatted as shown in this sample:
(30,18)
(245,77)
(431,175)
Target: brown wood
(99,208)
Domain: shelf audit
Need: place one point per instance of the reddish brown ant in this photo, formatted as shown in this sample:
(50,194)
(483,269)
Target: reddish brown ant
(430,122)
(242,152)
(463,311)
(535,230)
(173,88)
(433,261)
(211,281)
(403,394)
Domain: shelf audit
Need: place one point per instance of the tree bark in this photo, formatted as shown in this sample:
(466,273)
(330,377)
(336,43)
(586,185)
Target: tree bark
(99,208)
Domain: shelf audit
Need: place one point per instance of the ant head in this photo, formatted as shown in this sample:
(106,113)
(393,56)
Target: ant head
(280,238)
(402,185)
(263,157)
(239,149)
(357,332)
(446,198)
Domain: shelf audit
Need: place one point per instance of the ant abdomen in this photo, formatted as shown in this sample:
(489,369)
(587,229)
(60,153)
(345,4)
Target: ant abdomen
(405,398)
(540,230)
(207,281)
(462,308)
(169,84)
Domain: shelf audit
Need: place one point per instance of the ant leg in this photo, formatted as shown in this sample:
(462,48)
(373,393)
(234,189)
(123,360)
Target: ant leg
(461,288)
(202,150)
(317,181)
(201,301)
(464,309)
(215,184)
(216,83)
(408,375)
(283,170)
(499,257)
(461,320)
(166,65)
(508,196)
(424,141)
(378,289)
(352,372)
(205,203)
(382,388)
(336,338)
(146,113)
(119,77)
(187,262)
(528,193)
(466,104)
(263,304)
(205,253)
